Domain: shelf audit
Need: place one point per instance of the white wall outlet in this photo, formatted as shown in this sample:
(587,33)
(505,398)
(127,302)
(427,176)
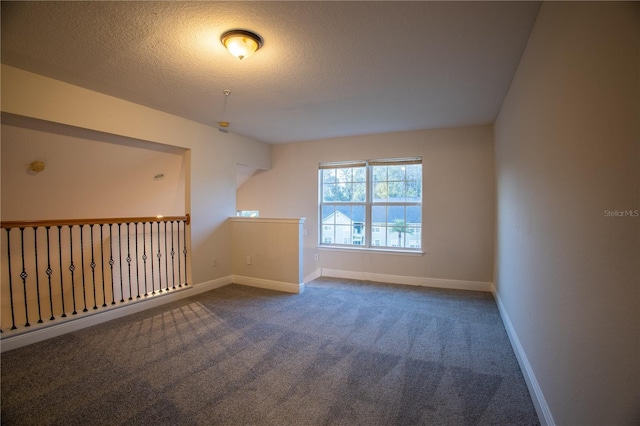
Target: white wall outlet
(306,231)
(248,260)
(215,262)
(316,256)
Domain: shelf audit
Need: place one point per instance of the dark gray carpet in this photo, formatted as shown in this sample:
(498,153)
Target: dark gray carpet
(341,353)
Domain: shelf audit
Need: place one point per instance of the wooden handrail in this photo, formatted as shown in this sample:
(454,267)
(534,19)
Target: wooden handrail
(72,222)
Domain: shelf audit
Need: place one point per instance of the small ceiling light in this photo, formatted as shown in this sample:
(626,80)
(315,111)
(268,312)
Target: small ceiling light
(223,126)
(241,43)
(37,166)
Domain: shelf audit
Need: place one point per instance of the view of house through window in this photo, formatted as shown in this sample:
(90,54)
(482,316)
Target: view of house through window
(374,203)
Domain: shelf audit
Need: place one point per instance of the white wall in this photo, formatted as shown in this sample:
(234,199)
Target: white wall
(210,159)
(458,200)
(567,151)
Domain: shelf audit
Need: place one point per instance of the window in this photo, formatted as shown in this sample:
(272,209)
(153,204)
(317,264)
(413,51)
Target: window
(375,198)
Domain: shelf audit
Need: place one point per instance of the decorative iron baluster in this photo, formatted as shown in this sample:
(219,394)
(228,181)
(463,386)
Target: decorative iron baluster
(153,283)
(93,269)
(13,319)
(111,262)
(72,268)
(49,273)
(179,273)
(64,310)
(24,276)
(166,258)
(84,287)
(159,255)
(129,260)
(144,256)
(184,227)
(35,251)
(137,263)
(173,264)
(120,262)
(104,291)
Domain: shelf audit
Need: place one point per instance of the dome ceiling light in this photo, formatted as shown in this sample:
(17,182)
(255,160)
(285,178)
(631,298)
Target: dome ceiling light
(241,43)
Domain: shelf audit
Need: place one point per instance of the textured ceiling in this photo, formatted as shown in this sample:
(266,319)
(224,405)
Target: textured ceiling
(327,69)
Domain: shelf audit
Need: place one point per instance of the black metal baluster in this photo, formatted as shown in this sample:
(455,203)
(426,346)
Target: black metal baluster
(104,292)
(159,255)
(64,310)
(184,225)
(173,263)
(166,258)
(24,276)
(144,256)
(179,273)
(153,283)
(84,287)
(93,269)
(13,320)
(111,262)
(72,268)
(137,264)
(120,261)
(35,251)
(49,273)
(129,260)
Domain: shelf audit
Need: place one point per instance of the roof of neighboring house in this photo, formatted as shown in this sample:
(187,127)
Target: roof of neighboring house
(357,213)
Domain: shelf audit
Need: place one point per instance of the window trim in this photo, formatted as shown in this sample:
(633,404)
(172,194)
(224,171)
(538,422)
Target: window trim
(368,206)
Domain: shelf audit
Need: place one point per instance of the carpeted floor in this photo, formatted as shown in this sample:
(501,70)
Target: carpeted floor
(341,353)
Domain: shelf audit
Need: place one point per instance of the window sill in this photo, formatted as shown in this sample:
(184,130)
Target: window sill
(372,250)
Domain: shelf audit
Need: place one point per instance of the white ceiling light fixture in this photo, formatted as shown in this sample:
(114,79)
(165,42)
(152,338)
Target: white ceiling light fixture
(241,43)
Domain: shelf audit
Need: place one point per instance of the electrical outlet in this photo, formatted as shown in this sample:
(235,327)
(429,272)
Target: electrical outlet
(306,231)
(316,256)
(215,262)
(248,260)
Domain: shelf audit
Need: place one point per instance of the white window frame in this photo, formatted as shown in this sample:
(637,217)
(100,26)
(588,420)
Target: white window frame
(368,205)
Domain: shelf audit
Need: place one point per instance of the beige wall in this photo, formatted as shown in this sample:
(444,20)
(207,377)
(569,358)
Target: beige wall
(267,252)
(210,158)
(458,204)
(86,176)
(567,151)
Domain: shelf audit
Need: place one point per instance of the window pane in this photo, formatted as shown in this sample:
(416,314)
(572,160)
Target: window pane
(359,192)
(344,175)
(343,192)
(396,173)
(359,174)
(412,239)
(414,172)
(414,215)
(395,213)
(328,217)
(328,192)
(379,173)
(343,234)
(379,215)
(396,192)
(328,175)
(380,192)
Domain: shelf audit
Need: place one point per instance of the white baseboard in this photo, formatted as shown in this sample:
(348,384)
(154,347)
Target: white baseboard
(312,276)
(540,403)
(268,284)
(407,280)
(62,326)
